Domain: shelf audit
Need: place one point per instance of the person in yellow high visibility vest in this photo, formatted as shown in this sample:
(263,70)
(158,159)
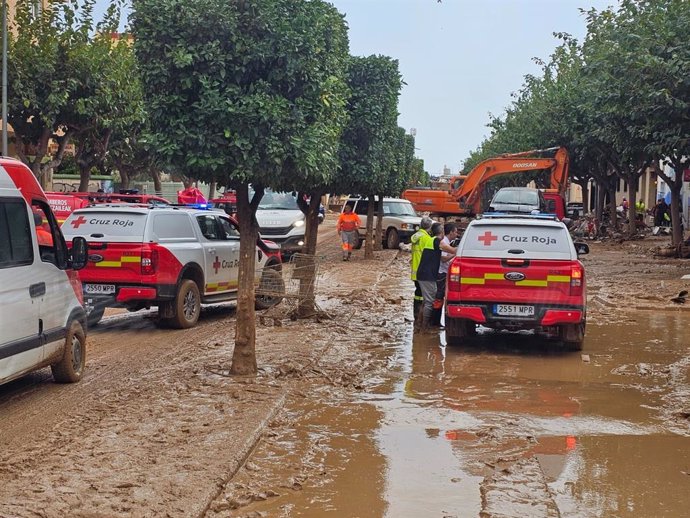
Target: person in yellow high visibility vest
(427,270)
(424,228)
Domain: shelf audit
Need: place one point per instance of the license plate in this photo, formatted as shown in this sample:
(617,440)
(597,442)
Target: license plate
(99,289)
(514,310)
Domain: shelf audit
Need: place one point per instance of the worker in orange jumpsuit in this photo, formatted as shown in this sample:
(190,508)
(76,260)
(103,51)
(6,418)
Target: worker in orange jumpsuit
(347,225)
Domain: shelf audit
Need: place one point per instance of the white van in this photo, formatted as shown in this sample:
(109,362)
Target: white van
(42,321)
(281,220)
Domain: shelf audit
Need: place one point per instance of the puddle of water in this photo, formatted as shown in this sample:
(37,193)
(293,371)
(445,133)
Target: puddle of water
(431,438)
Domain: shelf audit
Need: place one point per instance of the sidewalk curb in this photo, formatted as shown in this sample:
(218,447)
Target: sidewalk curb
(242,455)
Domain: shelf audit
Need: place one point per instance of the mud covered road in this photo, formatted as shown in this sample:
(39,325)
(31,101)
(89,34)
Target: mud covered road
(353,416)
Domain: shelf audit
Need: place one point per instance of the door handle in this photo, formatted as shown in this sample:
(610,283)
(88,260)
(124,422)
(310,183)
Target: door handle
(37,290)
(211,250)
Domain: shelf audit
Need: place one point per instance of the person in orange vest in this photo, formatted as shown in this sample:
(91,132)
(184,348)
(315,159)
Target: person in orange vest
(347,225)
(44,237)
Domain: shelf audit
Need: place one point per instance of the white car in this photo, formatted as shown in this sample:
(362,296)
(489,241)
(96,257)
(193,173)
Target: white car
(42,321)
(400,220)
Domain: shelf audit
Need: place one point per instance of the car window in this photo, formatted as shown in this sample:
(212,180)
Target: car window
(521,197)
(209,227)
(276,200)
(46,232)
(362,207)
(398,208)
(515,240)
(15,234)
(173,226)
(230,231)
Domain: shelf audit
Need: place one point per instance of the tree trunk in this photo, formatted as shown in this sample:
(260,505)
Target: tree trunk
(157,185)
(307,263)
(369,244)
(632,211)
(244,353)
(212,190)
(378,240)
(124,178)
(676,213)
(84,176)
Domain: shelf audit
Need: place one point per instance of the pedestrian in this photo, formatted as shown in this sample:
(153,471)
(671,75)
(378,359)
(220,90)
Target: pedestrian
(347,225)
(424,228)
(427,272)
(450,233)
(640,209)
(625,205)
(45,238)
(660,213)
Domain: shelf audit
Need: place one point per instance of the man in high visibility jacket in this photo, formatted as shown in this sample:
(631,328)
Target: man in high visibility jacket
(424,228)
(427,271)
(347,225)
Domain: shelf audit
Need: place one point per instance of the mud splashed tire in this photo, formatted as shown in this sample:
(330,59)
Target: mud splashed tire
(187,305)
(271,289)
(70,368)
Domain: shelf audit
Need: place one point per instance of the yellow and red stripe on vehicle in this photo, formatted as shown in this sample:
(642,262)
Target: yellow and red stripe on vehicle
(217,287)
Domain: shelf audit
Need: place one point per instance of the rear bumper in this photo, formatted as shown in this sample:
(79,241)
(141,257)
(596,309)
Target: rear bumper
(545,315)
(130,295)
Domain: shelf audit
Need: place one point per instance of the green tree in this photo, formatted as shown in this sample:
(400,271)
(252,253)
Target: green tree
(242,93)
(50,67)
(369,138)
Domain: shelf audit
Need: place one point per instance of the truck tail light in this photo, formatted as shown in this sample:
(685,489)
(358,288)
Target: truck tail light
(454,275)
(576,280)
(149,261)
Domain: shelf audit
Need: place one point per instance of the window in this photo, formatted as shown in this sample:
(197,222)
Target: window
(208,227)
(173,226)
(230,231)
(15,234)
(362,206)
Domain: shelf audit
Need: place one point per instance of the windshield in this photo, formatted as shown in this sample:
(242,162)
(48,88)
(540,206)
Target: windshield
(398,208)
(517,197)
(277,200)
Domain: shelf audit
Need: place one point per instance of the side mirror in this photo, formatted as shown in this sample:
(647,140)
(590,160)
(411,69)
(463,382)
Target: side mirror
(79,253)
(582,248)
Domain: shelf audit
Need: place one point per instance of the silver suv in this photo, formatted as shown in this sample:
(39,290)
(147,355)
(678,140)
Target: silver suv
(400,220)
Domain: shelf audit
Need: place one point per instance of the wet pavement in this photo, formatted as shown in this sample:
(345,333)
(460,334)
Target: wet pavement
(504,426)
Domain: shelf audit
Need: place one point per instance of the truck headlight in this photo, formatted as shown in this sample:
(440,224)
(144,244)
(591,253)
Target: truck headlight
(298,223)
(403,226)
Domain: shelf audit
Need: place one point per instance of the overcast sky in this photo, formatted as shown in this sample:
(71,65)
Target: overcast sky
(461,60)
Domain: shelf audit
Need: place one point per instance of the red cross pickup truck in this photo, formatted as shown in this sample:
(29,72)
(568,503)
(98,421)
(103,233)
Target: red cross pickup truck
(517,272)
(175,258)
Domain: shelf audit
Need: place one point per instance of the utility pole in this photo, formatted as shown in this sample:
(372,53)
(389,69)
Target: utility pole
(4,77)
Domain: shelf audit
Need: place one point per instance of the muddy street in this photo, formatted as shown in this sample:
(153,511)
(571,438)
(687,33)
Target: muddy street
(353,415)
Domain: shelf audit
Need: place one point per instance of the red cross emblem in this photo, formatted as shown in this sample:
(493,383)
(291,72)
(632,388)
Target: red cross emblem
(216,265)
(487,238)
(78,222)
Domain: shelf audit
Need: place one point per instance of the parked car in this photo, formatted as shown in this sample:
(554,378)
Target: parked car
(400,220)
(281,220)
(42,321)
(175,258)
(517,272)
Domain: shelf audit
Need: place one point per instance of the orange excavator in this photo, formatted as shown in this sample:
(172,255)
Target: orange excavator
(464,196)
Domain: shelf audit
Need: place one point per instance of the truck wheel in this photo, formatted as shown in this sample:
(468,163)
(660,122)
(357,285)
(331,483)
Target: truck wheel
(71,367)
(392,239)
(573,335)
(457,329)
(358,242)
(271,289)
(95,316)
(187,305)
